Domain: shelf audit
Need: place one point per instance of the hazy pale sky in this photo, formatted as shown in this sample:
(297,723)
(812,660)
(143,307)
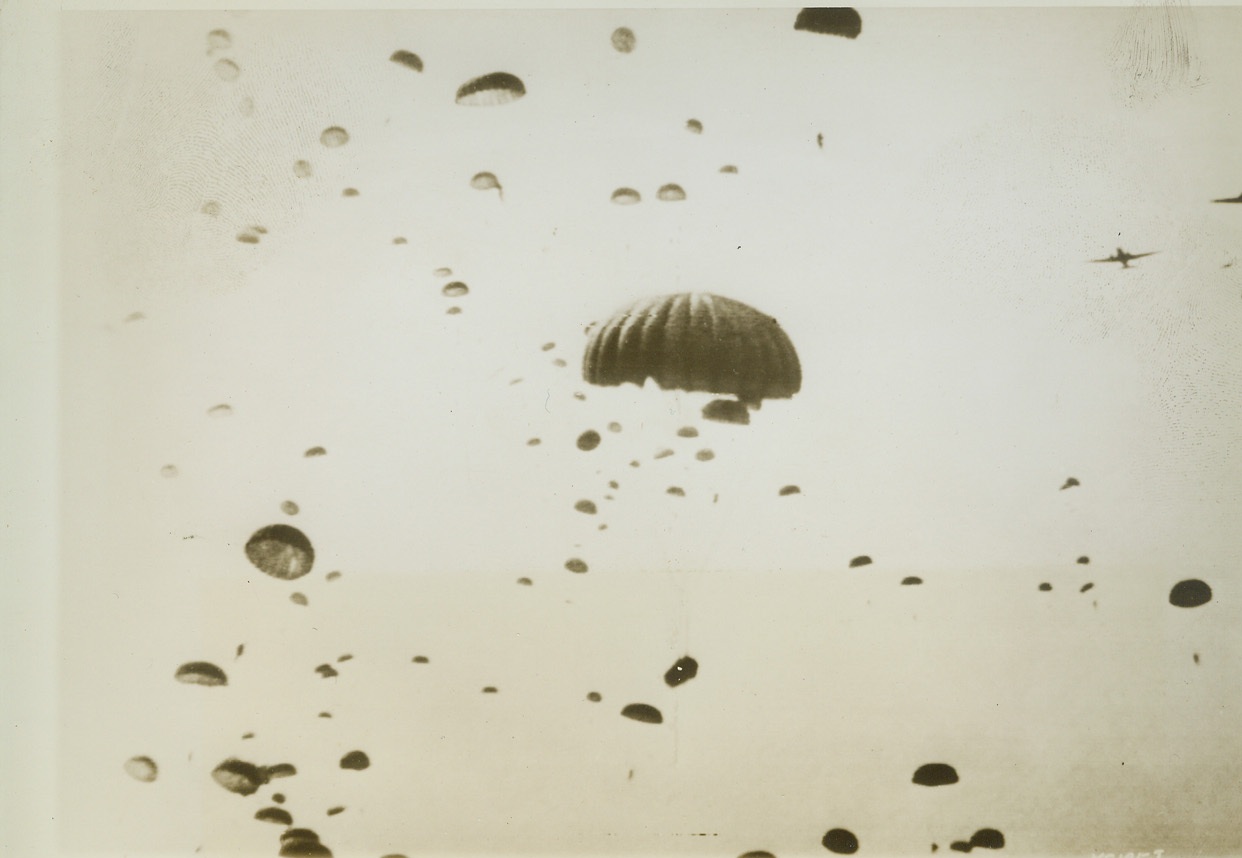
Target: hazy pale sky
(961,358)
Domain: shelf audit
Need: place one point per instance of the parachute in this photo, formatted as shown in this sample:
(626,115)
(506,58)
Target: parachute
(683,670)
(201,673)
(278,815)
(355,761)
(643,712)
(830,21)
(408,59)
(624,40)
(695,341)
(671,193)
(239,776)
(334,137)
(142,769)
(486,182)
(491,90)
(626,196)
(281,551)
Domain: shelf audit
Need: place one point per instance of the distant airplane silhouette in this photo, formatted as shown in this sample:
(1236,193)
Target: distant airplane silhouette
(1237,199)
(1124,258)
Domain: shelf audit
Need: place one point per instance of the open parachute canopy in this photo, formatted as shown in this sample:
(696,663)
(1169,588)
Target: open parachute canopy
(830,21)
(491,90)
(695,341)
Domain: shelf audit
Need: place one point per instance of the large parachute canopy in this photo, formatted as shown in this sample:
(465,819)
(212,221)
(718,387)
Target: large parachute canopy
(695,341)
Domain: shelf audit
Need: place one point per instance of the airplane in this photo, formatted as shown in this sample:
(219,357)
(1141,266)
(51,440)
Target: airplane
(1124,258)
(1237,199)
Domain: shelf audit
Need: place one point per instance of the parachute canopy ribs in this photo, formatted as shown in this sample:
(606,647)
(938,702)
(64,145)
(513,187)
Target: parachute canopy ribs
(695,341)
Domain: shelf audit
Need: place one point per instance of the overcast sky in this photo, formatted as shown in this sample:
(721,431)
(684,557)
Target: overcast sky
(961,358)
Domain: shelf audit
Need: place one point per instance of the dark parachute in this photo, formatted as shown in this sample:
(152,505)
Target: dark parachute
(408,59)
(830,21)
(695,341)
(490,90)
(935,774)
(643,712)
(278,815)
(239,776)
(281,551)
(201,673)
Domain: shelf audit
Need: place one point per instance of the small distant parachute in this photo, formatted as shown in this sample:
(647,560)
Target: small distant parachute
(841,841)
(694,126)
(280,770)
(201,673)
(624,40)
(278,815)
(683,670)
(334,137)
(728,411)
(487,182)
(408,59)
(695,341)
(671,193)
(1190,593)
(643,712)
(491,90)
(626,196)
(302,843)
(987,838)
(142,769)
(935,774)
(729,168)
(355,761)
(830,21)
(239,776)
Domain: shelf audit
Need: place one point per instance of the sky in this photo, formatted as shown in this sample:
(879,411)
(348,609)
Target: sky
(961,358)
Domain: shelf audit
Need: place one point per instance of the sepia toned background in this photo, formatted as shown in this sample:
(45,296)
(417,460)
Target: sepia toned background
(961,358)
